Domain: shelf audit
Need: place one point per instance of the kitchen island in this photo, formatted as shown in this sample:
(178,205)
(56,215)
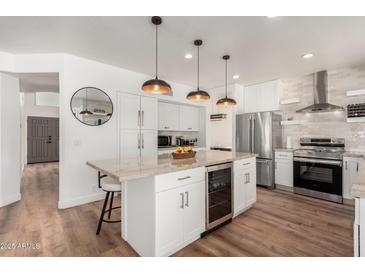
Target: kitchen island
(164,200)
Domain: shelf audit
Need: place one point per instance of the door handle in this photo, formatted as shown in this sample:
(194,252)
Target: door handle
(253,135)
(346,165)
(142,118)
(139,141)
(187,199)
(184,178)
(182,200)
(190,128)
(166,127)
(247,175)
(357,167)
(142,140)
(139,118)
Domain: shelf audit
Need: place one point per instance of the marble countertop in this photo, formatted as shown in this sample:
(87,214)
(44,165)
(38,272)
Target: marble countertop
(358,186)
(136,168)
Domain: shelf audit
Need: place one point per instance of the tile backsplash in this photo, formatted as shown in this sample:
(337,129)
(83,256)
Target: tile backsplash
(332,124)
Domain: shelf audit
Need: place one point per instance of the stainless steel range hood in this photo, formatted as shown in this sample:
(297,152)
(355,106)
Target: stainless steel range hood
(320,93)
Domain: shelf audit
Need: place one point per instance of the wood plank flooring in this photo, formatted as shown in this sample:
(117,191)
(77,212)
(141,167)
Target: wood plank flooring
(280,224)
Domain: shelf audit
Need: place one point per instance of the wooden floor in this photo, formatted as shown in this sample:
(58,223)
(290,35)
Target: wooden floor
(280,224)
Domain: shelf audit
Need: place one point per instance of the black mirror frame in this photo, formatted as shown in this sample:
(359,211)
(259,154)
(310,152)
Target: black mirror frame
(82,121)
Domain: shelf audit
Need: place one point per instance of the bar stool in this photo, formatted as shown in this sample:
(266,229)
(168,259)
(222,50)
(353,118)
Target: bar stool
(110,186)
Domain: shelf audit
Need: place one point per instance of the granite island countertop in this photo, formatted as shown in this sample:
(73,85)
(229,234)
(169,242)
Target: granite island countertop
(136,168)
(358,186)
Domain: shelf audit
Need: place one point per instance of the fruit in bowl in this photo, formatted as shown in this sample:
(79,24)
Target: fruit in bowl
(183,152)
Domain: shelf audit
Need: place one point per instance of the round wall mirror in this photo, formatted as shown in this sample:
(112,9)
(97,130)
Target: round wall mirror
(91,106)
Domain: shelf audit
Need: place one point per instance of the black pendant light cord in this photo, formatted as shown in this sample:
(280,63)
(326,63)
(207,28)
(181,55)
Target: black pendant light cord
(156,51)
(198,68)
(226,79)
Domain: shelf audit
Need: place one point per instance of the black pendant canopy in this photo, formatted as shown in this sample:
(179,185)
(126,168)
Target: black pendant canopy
(86,111)
(198,95)
(156,86)
(227,102)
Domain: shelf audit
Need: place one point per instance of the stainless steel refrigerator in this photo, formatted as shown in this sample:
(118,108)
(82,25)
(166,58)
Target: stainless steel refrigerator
(260,133)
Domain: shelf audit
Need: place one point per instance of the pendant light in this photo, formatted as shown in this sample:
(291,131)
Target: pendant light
(227,102)
(156,86)
(86,111)
(198,95)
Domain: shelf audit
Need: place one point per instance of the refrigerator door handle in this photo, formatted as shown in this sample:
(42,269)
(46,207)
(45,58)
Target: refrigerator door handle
(253,135)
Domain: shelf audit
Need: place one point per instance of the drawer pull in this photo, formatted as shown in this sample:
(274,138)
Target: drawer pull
(182,200)
(184,178)
(245,164)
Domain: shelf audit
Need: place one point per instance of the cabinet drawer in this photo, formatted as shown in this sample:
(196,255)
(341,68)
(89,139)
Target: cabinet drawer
(284,156)
(240,165)
(180,178)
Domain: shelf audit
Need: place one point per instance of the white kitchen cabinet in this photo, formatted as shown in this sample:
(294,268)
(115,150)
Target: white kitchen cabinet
(262,97)
(180,210)
(169,220)
(194,211)
(244,186)
(137,125)
(168,116)
(129,111)
(284,169)
(130,143)
(349,171)
(148,143)
(359,228)
(149,113)
(189,118)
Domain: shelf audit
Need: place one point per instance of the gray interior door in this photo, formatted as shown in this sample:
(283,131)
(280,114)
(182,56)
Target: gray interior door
(42,140)
(262,141)
(243,133)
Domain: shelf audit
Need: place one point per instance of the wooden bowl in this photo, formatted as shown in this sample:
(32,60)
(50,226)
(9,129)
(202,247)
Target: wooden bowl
(186,155)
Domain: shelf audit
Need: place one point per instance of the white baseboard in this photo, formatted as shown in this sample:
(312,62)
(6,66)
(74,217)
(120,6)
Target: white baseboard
(81,200)
(10,200)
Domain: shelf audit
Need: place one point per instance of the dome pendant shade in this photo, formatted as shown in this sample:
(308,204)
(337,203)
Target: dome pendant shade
(156,86)
(86,112)
(226,102)
(198,95)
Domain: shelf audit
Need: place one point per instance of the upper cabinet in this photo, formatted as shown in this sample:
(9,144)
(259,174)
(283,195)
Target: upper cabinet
(189,118)
(262,97)
(148,113)
(168,116)
(174,117)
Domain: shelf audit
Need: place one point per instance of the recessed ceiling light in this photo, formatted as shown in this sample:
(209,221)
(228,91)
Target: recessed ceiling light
(188,56)
(236,76)
(271,16)
(307,55)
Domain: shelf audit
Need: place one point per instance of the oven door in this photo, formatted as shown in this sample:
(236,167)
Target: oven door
(318,175)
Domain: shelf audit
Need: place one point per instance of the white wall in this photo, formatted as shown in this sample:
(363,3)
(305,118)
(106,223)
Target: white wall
(78,142)
(220,133)
(9,139)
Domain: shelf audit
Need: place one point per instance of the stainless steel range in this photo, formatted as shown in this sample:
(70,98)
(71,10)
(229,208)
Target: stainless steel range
(318,168)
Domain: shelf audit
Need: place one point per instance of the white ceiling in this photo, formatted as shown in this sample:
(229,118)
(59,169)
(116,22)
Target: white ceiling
(261,48)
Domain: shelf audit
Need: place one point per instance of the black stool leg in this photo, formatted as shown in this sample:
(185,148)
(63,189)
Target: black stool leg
(102,213)
(111,205)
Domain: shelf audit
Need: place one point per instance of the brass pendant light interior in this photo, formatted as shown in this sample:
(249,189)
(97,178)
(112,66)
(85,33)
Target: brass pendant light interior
(156,86)
(226,102)
(198,95)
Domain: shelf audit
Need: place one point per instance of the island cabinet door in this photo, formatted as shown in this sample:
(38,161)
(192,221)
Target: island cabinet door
(169,221)
(194,211)
(250,186)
